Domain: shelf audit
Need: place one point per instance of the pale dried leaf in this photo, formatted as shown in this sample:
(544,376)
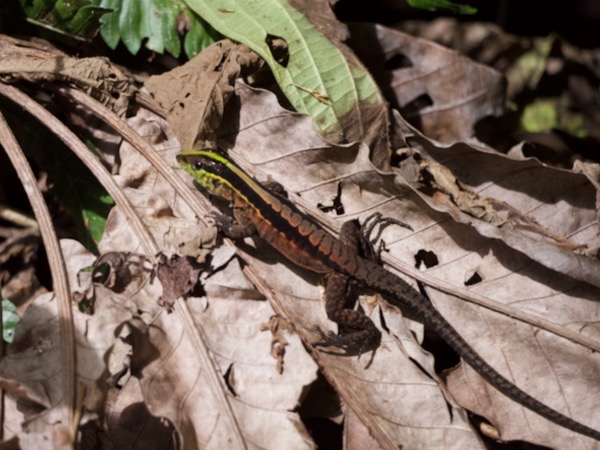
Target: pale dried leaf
(31,369)
(175,384)
(547,213)
(150,194)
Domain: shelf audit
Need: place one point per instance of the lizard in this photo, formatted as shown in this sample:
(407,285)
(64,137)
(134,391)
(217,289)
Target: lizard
(266,212)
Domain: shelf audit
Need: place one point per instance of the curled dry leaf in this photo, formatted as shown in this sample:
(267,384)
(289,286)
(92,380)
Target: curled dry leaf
(96,76)
(195,94)
(548,214)
(171,356)
(441,91)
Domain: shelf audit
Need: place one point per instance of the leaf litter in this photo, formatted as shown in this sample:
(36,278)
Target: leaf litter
(438,190)
(509,277)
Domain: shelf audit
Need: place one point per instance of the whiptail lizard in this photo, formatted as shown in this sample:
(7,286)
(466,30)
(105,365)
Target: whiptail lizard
(266,212)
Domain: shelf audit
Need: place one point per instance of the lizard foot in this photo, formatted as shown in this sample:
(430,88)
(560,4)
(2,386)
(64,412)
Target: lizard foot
(354,343)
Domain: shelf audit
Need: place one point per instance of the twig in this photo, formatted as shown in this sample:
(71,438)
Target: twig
(59,274)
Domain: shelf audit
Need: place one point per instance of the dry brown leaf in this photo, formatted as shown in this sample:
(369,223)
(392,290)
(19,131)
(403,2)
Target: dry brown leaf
(151,195)
(439,90)
(174,379)
(177,381)
(546,213)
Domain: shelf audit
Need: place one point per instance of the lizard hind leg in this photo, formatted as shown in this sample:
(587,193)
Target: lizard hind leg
(358,334)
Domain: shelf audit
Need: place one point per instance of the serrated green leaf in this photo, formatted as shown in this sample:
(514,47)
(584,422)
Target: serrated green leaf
(317,78)
(109,23)
(86,18)
(37,8)
(152,23)
(9,320)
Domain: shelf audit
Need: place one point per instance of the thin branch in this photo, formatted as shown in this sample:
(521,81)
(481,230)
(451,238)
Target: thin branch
(59,275)
(17,217)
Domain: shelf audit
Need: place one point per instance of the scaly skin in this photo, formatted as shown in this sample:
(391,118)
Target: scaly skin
(306,244)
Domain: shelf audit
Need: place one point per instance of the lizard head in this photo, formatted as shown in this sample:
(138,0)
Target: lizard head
(210,171)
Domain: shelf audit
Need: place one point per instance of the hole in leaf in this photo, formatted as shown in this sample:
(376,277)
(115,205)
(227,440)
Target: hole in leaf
(475,278)
(229,380)
(336,204)
(426,258)
(398,61)
(417,104)
(279,49)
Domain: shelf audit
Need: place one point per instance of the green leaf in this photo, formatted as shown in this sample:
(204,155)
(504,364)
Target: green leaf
(156,24)
(109,23)
(132,24)
(10,319)
(85,19)
(200,36)
(165,19)
(315,74)
(541,115)
(434,5)
(96,208)
(69,18)
(37,8)
(65,10)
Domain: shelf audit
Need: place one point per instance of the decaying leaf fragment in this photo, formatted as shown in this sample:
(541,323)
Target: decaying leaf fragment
(194,95)
(178,276)
(97,76)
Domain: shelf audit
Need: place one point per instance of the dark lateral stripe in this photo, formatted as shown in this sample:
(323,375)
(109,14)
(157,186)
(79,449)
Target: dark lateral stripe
(259,198)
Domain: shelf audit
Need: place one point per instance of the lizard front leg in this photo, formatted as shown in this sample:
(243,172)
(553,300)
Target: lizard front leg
(357,333)
(242,228)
